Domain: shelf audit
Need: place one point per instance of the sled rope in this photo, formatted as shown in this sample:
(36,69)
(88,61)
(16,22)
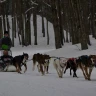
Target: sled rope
(29,60)
(58,57)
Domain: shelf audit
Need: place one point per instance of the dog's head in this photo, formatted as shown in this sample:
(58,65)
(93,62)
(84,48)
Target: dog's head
(26,56)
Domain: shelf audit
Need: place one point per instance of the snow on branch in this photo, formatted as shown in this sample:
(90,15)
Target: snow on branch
(47,4)
(34,3)
(1,1)
(28,9)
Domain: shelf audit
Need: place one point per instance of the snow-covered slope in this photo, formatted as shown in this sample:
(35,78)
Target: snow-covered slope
(33,84)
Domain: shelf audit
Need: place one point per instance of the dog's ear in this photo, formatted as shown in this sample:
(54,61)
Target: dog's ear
(23,53)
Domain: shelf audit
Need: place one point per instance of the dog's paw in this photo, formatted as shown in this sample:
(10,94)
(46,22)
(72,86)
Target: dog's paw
(24,71)
(19,72)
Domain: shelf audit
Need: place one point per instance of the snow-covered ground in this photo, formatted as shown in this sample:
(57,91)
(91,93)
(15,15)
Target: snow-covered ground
(32,83)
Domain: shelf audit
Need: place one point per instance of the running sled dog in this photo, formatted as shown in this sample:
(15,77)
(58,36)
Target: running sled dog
(43,62)
(59,65)
(19,61)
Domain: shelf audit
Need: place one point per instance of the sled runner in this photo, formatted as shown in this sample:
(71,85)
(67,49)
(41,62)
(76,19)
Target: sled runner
(6,67)
(6,63)
(10,68)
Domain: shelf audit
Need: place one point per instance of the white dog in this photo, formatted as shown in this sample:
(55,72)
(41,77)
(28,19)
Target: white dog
(59,65)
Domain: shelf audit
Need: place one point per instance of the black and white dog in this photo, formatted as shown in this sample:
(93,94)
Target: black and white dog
(20,60)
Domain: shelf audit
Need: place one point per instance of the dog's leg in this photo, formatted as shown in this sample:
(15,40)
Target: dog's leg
(34,63)
(65,70)
(41,69)
(38,67)
(17,68)
(25,68)
(58,72)
(74,73)
(82,68)
(70,71)
(62,71)
(66,67)
(44,69)
(86,71)
(47,67)
(90,71)
(56,67)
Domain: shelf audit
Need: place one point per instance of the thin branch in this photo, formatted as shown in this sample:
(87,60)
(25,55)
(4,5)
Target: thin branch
(28,9)
(34,3)
(47,4)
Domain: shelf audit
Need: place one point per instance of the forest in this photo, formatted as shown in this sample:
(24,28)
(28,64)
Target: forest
(76,17)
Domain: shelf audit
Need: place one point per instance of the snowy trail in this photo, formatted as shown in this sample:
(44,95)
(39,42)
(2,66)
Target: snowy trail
(33,84)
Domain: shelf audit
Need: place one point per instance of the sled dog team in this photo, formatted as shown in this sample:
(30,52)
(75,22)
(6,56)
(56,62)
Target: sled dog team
(61,64)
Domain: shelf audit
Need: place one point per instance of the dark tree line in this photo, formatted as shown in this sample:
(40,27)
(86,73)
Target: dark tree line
(76,17)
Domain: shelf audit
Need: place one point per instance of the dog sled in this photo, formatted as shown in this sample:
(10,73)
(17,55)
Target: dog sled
(6,63)
(6,67)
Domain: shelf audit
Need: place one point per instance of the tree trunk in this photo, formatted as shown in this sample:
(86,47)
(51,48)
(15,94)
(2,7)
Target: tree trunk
(1,31)
(47,32)
(56,26)
(82,25)
(60,20)
(22,30)
(35,27)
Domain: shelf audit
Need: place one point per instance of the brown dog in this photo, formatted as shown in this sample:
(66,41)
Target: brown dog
(42,62)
